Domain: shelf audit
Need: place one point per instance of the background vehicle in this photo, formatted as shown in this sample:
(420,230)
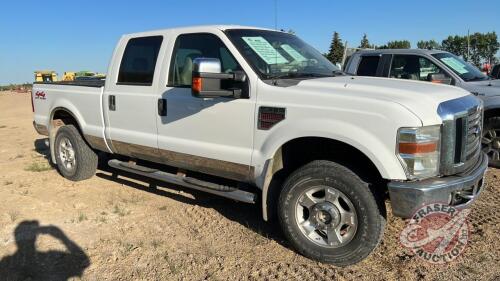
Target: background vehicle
(438,67)
(495,73)
(45,76)
(249,113)
(69,76)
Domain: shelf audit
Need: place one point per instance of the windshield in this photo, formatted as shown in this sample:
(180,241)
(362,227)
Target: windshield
(465,70)
(280,55)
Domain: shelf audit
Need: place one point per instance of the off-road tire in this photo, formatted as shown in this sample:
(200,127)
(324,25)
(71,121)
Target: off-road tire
(492,123)
(85,158)
(369,207)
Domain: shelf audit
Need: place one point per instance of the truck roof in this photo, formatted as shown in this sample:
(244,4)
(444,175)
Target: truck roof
(199,28)
(401,51)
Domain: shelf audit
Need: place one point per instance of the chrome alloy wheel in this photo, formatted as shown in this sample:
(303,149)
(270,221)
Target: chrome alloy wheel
(491,144)
(326,216)
(67,154)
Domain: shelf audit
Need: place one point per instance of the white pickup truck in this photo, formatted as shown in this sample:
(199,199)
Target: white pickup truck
(257,115)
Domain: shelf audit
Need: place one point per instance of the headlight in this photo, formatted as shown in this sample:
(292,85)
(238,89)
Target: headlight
(418,149)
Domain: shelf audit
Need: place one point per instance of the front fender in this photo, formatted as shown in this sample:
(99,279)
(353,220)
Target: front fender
(490,102)
(380,149)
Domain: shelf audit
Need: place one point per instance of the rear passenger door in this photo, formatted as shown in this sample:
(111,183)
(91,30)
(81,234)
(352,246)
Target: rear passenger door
(130,101)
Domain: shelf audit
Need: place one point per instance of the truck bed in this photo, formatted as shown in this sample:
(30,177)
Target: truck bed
(81,83)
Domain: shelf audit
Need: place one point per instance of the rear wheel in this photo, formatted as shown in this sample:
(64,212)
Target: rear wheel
(329,214)
(491,141)
(75,159)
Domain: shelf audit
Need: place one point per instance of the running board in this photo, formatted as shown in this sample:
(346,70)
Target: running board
(224,191)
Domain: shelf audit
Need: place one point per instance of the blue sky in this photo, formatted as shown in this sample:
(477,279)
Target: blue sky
(81,35)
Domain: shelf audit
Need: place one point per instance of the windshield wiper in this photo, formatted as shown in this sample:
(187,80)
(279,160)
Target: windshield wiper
(292,75)
(478,78)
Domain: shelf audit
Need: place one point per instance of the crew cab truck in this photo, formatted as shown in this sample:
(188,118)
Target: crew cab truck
(438,67)
(257,115)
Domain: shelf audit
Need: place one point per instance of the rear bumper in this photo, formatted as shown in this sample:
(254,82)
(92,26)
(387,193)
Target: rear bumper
(458,191)
(41,129)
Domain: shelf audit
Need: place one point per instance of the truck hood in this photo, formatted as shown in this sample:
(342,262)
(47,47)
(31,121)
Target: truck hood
(421,98)
(484,88)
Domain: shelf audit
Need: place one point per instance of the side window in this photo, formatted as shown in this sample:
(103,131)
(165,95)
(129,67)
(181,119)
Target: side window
(197,45)
(139,61)
(413,68)
(368,66)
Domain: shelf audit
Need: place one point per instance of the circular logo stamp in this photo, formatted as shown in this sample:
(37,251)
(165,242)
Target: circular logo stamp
(437,233)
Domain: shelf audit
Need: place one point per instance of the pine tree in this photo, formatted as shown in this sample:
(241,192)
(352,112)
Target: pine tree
(365,44)
(336,49)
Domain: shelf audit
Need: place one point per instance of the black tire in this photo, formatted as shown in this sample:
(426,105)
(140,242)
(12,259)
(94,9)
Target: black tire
(369,210)
(490,142)
(85,159)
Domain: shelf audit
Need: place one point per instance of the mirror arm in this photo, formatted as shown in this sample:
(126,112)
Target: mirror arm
(238,76)
(210,75)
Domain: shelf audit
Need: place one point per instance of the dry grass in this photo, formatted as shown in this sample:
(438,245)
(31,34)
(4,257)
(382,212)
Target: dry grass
(38,167)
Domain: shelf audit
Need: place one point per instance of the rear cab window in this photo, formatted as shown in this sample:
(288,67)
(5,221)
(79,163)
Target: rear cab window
(139,61)
(368,66)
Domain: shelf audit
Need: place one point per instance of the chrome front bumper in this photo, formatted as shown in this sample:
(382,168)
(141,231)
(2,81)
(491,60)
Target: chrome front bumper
(458,191)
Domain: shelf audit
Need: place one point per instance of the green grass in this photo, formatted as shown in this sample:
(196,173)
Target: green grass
(38,167)
(120,211)
(81,217)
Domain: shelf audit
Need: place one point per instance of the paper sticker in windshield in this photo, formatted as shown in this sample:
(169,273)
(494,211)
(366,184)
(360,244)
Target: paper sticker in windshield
(265,50)
(293,53)
(455,64)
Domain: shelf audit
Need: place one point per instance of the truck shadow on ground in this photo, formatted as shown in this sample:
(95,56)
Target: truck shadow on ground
(27,263)
(248,215)
(42,149)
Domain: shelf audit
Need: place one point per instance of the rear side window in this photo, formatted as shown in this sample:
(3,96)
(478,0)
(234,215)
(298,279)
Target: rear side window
(139,61)
(368,66)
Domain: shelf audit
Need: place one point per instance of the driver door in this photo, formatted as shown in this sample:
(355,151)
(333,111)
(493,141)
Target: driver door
(209,135)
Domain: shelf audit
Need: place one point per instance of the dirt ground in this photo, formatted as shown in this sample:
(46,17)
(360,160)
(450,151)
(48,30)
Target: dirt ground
(120,228)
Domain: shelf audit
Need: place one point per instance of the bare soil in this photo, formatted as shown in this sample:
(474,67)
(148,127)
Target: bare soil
(119,228)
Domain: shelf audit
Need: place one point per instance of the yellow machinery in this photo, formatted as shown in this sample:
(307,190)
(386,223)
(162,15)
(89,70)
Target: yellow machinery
(45,76)
(69,76)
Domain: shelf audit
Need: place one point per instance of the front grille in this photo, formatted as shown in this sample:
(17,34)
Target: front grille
(461,134)
(473,135)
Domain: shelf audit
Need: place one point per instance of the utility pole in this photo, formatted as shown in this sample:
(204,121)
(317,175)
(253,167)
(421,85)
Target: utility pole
(468,44)
(344,56)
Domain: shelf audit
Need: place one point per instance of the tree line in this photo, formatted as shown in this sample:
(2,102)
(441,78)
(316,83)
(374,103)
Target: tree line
(13,87)
(478,48)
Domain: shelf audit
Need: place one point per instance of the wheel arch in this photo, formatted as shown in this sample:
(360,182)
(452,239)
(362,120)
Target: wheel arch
(491,112)
(286,159)
(61,116)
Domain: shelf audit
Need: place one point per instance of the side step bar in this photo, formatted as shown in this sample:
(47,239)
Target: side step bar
(219,190)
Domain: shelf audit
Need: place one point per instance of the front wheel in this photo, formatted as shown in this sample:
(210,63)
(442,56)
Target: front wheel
(491,141)
(329,214)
